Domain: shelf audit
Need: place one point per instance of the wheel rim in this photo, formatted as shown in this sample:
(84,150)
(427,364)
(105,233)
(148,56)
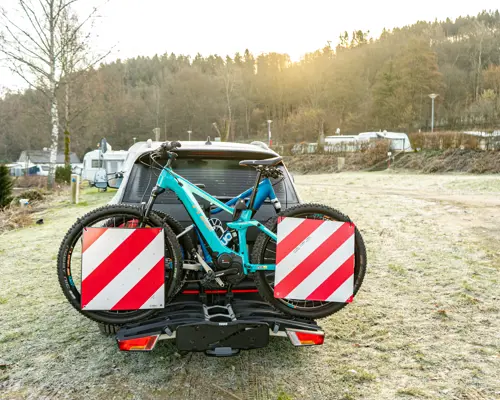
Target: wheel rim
(269,257)
(74,258)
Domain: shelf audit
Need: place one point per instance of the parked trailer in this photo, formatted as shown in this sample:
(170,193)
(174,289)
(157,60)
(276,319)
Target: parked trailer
(352,143)
(398,141)
(95,161)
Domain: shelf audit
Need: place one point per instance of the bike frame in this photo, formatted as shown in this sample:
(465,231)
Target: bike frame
(186,192)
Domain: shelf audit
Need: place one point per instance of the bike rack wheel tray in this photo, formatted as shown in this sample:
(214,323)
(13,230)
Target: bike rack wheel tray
(220,327)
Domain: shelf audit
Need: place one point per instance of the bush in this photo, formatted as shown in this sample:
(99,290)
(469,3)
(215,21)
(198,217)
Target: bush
(15,218)
(443,141)
(63,174)
(31,181)
(6,185)
(376,153)
(31,195)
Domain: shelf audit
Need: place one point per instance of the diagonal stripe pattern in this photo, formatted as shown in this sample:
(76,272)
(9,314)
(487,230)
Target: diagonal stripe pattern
(315,260)
(122,269)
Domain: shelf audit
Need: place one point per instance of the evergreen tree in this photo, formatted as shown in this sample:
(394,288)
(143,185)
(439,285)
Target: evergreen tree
(6,185)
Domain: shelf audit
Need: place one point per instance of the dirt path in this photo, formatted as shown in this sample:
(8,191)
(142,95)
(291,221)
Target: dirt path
(424,325)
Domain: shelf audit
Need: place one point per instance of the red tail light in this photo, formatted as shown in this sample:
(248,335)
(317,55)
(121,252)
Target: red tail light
(305,338)
(146,343)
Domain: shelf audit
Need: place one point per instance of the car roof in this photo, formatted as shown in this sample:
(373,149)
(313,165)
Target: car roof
(217,146)
(254,147)
(141,148)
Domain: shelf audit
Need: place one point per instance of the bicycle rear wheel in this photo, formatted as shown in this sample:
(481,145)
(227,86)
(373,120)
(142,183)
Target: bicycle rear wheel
(264,252)
(70,252)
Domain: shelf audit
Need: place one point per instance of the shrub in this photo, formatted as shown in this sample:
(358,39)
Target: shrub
(31,181)
(63,174)
(15,218)
(287,149)
(443,140)
(375,153)
(31,195)
(6,185)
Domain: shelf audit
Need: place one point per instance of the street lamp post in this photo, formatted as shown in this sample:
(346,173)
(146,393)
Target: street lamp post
(433,96)
(189,133)
(269,132)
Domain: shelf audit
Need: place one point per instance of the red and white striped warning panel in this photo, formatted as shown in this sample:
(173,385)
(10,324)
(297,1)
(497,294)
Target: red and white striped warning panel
(314,260)
(123,269)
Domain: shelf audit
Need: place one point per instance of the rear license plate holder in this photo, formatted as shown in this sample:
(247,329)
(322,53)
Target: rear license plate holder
(237,335)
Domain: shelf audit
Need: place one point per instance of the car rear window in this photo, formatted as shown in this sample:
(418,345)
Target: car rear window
(222,179)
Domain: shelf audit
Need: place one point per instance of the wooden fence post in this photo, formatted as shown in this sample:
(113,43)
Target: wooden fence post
(75,189)
(340,163)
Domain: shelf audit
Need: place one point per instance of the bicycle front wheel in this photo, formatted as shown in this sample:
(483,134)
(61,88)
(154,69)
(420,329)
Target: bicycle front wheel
(70,257)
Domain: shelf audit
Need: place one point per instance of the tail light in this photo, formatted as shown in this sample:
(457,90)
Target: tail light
(145,343)
(305,338)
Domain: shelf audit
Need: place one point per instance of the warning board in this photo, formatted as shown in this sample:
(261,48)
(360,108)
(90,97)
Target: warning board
(123,269)
(314,260)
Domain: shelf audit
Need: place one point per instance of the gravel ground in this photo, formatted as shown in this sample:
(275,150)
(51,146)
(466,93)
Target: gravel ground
(424,325)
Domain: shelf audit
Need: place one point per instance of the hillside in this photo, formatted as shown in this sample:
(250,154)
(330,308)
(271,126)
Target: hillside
(430,161)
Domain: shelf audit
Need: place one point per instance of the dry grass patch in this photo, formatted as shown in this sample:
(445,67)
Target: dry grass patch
(15,217)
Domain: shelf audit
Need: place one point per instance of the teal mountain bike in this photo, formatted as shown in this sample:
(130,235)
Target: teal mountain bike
(213,260)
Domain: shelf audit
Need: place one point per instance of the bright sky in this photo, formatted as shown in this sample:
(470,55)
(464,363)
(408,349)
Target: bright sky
(146,27)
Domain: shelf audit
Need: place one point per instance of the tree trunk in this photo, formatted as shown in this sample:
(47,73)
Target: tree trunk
(479,68)
(66,128)
(228,98)
(54,117)
(247,121)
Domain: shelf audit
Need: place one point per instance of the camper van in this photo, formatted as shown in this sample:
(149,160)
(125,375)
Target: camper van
(94,161)
(344,143)
(398,141)
(22,169)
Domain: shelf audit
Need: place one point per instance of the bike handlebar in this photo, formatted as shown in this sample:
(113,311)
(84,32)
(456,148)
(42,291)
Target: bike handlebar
(168,146)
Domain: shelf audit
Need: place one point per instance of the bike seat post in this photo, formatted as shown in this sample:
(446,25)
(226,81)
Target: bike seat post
(254,192)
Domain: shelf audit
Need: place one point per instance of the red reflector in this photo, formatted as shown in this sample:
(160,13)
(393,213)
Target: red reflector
(145,343)
(245,291)
(305,338)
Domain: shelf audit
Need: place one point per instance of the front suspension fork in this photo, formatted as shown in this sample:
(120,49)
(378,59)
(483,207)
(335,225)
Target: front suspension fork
(147,207)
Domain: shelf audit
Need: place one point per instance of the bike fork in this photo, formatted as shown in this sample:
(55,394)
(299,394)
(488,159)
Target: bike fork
(147,207)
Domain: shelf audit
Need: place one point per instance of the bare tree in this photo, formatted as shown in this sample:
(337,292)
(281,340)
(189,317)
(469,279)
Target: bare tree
(229,78)
(44,44)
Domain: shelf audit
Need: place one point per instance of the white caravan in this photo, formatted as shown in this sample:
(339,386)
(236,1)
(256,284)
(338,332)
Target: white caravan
(398,141)
(95,161)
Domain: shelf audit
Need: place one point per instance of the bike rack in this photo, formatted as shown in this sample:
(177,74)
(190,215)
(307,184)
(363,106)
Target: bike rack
(219,325)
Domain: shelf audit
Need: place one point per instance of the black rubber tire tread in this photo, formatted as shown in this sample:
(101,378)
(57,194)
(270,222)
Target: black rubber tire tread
(75,231)
(265,289)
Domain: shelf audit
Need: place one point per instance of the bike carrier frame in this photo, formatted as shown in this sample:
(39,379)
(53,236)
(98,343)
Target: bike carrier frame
(219,325)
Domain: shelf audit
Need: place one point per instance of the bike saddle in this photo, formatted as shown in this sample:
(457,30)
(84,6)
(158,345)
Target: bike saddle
(257,163)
